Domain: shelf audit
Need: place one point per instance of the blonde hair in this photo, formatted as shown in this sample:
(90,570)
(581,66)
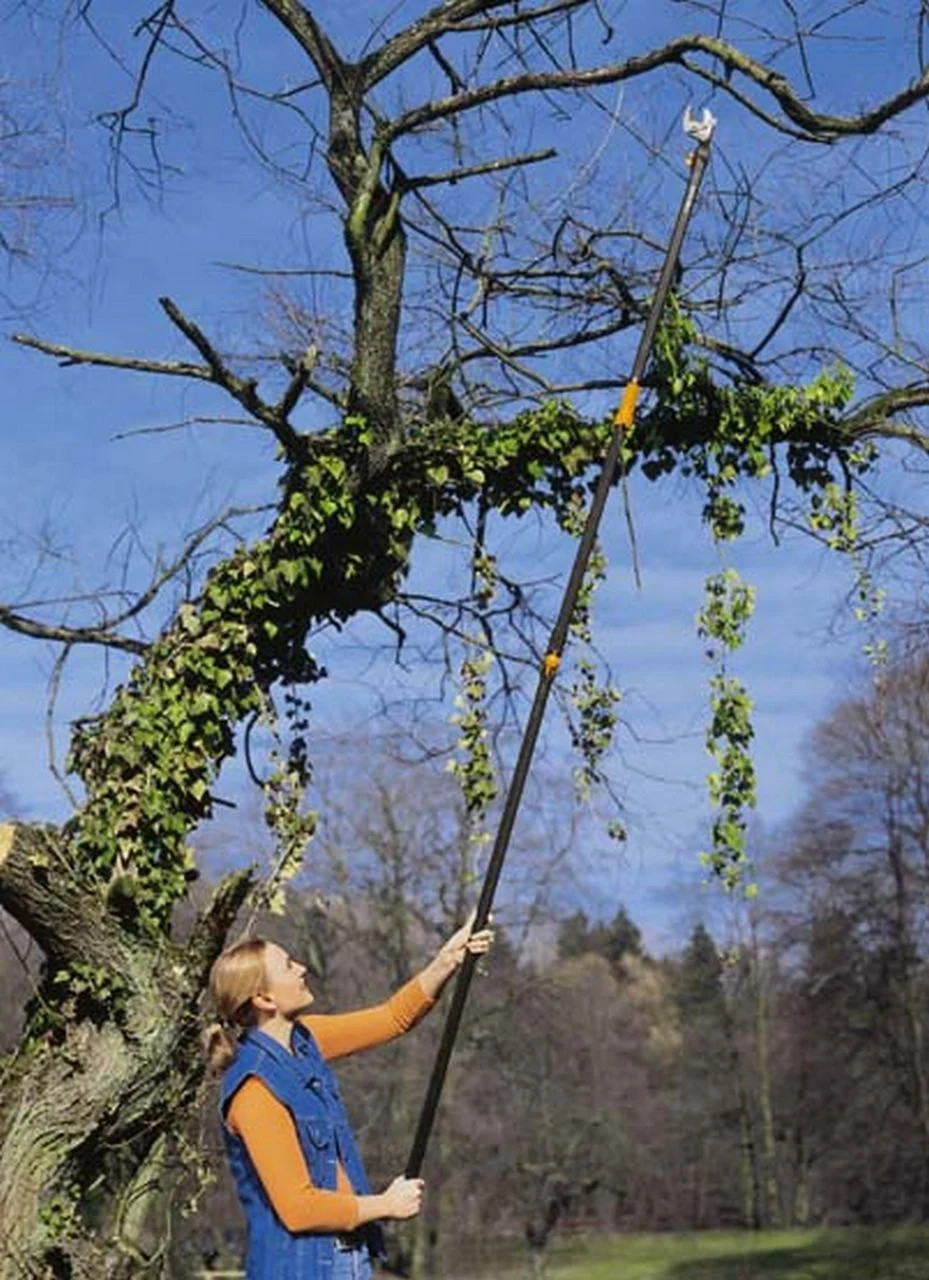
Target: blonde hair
(238,973)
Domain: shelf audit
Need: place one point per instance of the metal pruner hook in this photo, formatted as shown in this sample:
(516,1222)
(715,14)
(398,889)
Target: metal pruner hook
(701,129)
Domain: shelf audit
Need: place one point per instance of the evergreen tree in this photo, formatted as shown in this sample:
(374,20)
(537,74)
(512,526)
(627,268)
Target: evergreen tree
(699,986)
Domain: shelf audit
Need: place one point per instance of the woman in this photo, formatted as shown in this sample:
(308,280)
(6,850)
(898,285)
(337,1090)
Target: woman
(308,1207)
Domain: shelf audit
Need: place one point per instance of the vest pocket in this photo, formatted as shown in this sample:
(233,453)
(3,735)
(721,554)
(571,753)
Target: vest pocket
(319,1134)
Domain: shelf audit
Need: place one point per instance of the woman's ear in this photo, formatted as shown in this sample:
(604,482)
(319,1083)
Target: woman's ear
(263,1004)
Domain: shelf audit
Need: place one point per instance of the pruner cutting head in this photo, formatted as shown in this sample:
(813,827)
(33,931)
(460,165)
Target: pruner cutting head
(701,129)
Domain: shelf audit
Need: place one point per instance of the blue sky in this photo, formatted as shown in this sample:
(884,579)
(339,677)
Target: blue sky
(68,483)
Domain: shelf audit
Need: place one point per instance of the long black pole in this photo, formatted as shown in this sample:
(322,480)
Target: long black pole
(623,421)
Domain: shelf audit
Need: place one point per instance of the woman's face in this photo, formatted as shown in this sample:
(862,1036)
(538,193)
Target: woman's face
(285,981)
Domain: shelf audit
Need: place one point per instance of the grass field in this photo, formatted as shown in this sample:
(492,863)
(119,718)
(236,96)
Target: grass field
(900,1254)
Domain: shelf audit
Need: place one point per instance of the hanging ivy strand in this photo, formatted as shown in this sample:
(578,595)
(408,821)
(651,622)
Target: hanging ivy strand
(721,623)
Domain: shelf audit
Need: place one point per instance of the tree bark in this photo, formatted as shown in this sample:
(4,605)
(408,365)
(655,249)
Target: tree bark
(748,1160)
(376,244)
(78,1110)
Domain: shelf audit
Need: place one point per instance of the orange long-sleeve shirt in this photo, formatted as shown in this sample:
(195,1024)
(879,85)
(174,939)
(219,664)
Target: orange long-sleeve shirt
(265,1126)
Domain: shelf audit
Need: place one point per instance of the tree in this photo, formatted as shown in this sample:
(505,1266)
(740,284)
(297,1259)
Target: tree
(545,1102)
(704,1090)
(507,311)
(859,858)
(614,941)
(39,212)
(760,983)
(700,988)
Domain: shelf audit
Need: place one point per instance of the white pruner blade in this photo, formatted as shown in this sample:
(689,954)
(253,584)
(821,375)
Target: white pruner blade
(701,129)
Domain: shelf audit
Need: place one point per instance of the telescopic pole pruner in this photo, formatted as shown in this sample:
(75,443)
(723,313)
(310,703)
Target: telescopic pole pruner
(702,131)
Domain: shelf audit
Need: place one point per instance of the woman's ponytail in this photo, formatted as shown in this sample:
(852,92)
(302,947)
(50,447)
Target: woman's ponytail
(219,1047)
(236,976)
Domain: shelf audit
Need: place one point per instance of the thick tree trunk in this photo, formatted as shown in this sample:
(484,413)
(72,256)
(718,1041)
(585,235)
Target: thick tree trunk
(800,1199)
(379,262)
(83,1113)
(748,1159)
(376,244)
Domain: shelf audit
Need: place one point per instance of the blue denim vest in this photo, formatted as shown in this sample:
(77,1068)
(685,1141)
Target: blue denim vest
(304,1083)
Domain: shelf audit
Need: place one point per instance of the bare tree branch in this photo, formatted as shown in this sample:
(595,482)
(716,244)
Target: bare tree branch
(67,356)
(491,166)
(814,126)
(69,635)
(197,420)
(301,24)
(215,370)
(418,35)
(54,684)
(242,389)
(874,417)
(519,17)
(105,633)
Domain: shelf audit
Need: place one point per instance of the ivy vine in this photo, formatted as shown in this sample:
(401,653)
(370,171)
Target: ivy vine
(591,703)
(729,604)
(753,421)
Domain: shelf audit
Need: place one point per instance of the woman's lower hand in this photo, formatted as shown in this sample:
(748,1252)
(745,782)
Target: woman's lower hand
(403,1198)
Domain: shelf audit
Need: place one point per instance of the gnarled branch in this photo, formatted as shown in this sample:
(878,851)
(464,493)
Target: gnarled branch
(813,126)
